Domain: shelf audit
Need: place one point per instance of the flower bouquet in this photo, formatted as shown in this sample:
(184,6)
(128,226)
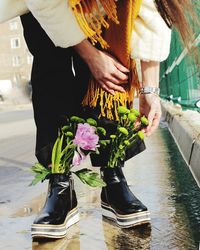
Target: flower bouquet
(75,141)
(128,131)
(79,138)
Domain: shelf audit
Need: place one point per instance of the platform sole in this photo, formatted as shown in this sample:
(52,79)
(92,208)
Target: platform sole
(55,231)
(125,221)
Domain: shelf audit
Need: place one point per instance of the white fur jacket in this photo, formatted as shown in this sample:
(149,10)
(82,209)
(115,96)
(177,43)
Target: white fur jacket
(150,38)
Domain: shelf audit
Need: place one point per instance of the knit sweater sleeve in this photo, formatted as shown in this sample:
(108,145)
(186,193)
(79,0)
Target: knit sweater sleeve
(58,21)
(151,36)
(11,8)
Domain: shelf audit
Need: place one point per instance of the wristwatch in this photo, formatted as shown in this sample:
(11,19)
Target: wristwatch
(149,90)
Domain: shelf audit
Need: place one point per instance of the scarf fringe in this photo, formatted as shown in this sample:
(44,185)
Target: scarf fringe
(91,20)
(96,96)
(116,40)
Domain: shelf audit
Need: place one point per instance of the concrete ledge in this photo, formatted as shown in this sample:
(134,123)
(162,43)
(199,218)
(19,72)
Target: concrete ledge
(185,128)
(195,159)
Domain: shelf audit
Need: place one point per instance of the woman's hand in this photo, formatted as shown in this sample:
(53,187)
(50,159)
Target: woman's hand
(149,105)
(107,71)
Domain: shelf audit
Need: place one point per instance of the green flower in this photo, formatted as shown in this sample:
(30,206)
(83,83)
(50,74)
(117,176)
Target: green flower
(69,134)
(121,147)
(101,130)
(124,117)
(144,120)
(104,142)
(112,136)
(122,110)
(92,122)
(132,117)
(135,112)
(126,142)
(65,129)
(141,135)
(123,130)
(77,119)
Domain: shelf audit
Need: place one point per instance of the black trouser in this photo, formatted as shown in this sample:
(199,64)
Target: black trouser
(56,92)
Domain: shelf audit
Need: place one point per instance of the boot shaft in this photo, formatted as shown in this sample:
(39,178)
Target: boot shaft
(113,175)
(61,192)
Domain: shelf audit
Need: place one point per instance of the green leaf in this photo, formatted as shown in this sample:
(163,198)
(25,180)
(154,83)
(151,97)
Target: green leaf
(38,168)
(53,156)
(38,178)
(90,178)
(41,173)
(57,154)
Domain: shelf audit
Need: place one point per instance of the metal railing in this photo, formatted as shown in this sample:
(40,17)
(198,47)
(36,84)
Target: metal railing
(180,75)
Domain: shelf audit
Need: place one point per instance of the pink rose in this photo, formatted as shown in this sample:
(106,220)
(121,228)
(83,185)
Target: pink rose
(85,137)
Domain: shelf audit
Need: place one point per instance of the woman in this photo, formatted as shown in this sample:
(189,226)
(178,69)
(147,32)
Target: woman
(52,66)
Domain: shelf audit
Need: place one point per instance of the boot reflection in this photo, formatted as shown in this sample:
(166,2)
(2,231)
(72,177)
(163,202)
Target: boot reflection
(70,242)
(126,239)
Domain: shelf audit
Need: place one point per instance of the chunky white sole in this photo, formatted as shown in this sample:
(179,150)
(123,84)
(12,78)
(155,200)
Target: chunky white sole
(55,231)
(125,221)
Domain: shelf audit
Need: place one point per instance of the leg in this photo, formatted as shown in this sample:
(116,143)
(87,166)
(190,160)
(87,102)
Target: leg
(53,84)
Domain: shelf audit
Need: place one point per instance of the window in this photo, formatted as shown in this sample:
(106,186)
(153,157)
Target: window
(16,61)
(13,25)
(15,43)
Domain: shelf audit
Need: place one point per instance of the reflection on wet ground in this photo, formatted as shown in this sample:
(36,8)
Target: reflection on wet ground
(159,177)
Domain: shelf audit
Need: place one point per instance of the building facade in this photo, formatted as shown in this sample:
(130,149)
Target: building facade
(15,59)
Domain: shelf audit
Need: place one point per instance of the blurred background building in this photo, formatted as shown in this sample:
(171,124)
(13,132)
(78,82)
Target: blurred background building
(15,59)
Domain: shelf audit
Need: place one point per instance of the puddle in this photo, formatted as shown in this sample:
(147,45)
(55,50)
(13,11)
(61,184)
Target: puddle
(70,242)
(30,208)
(159,177)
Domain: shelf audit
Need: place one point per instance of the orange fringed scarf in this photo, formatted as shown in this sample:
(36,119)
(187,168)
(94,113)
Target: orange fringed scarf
(115,39)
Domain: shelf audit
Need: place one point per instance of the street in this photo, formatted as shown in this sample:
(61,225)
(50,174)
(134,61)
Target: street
(158,176)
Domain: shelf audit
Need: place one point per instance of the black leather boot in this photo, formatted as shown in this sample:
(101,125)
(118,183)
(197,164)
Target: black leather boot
(119,203)
(60,209)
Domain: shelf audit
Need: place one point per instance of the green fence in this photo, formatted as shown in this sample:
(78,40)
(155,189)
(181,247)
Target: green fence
(180,75)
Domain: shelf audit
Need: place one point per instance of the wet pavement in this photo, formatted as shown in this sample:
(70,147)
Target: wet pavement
(158,176)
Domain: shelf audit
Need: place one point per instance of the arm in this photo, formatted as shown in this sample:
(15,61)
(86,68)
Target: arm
(151,36)
(11,8)
(150,44)
(149,104)
(58,21)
